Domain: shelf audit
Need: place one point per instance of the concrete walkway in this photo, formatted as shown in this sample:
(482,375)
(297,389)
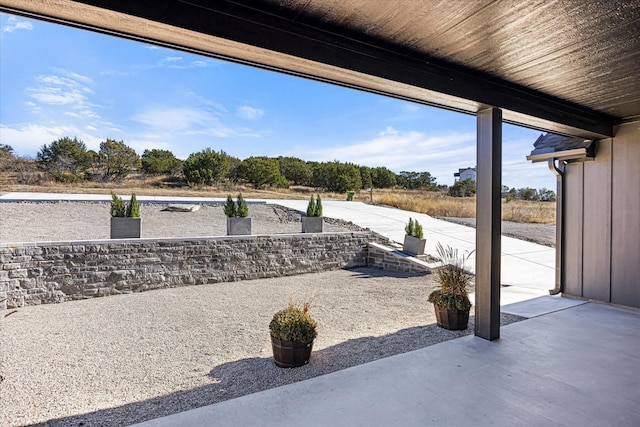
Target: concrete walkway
(572,364)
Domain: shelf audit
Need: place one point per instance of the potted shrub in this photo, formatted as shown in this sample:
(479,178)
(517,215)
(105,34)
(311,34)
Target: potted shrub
(292,334)
(451,299)
(125,219)
(414,242)
(238,222)
(313,222)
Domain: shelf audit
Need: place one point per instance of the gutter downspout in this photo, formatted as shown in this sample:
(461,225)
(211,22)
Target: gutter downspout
(559,173)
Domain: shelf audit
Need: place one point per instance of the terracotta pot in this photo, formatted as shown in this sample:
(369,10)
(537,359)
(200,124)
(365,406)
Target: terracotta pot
(290,354)
(454,320)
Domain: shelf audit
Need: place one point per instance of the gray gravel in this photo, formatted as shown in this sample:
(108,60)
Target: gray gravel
(542,234)
(58,221)
(129,358)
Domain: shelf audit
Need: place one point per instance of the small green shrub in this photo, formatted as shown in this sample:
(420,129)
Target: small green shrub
(314,208)
(239,209)
(243,209)
(453,280)
(311,207)
(133,208)
(318,210)
(413,228)
(118,208)
(294,324)
(230,207)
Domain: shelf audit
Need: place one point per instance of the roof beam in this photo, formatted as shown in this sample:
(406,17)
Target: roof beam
(301,46)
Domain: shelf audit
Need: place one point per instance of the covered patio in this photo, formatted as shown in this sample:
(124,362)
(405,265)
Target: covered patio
(566,67)
(572,363)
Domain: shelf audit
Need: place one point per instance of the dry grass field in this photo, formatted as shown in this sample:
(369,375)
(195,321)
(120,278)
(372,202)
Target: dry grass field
(441,205)
(431,203)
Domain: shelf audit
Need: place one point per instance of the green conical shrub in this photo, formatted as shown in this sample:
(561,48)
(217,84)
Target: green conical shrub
(311,207)
(230,207)
(133,208)
(243,209)
(118,208)
(318,210)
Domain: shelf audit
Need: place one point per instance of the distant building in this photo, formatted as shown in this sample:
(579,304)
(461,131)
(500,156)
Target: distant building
(466,173)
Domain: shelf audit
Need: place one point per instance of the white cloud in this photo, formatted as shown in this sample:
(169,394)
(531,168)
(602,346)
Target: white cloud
(175,119)
(68,89)
(174,62)
(440,154)
(249,113)
(28,139)
(89,127)
(14,23)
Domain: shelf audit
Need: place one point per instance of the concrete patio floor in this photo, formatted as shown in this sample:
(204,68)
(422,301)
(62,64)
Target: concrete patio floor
(578,364)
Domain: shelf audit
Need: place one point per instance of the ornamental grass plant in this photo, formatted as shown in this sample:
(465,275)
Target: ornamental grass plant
(453,280)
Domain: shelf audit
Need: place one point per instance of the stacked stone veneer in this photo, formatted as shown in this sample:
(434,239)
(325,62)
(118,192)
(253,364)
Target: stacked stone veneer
(386,258)
(38,273)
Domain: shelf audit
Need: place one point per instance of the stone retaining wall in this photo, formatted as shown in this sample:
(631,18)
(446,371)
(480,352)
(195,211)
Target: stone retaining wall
(386,258)
(37,273)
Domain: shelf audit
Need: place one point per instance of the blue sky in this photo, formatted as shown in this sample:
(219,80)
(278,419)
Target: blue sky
(57,81)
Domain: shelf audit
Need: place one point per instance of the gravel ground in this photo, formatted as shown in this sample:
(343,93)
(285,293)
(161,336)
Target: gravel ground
(129,358)
(91,221)
(542,234)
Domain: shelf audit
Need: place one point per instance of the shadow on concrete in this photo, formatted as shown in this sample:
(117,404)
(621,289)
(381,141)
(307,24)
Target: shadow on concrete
(251,375)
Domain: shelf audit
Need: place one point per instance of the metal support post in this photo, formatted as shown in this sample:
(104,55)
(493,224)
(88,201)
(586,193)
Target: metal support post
(488,223)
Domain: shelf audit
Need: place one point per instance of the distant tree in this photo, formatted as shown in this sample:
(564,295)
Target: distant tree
(527,194)
(206,167)
(66,159)
(6,151)
(511,194)
(260,171)
(464,188)
(296,171)
(234,163)
(365,177)
(417,181)
(546,195)
(116,159)
(382,177)
(156,162)
(337,177)
(6,157)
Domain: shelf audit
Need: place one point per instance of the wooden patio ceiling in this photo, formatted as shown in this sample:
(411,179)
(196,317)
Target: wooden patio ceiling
(569,67)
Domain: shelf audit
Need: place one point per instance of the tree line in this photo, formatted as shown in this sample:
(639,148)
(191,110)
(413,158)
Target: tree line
(68,160)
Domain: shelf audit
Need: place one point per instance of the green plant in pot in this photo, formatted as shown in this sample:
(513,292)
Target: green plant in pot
(292,334)
(414,241)
(125,218)
(451,299)
(313,221)
(237,214)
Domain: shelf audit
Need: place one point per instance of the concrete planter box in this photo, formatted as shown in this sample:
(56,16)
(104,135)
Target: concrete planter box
(125,228)
(238,226)
(413,245)
(312,224)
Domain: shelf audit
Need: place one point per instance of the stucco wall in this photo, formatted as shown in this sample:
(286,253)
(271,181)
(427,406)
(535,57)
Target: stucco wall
(602,222)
